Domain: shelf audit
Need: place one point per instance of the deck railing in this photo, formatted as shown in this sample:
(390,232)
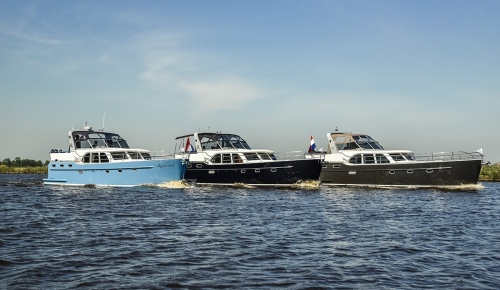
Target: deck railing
(446,156)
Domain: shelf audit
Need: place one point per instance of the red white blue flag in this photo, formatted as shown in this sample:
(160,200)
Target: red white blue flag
(189,147)
(312,146)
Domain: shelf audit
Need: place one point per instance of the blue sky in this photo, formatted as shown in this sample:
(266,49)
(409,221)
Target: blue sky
(418,75)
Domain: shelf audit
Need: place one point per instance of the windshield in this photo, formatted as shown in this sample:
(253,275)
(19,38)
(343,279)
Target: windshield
(218,141)
(98,139)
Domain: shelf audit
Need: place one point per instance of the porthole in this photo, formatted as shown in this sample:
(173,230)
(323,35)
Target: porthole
(429,170)
(243,171)
(107,171)
(257,170)
(274,169)
(324,166)
(119,170)
(199,165)
(61,165)
(409,171)
(336,166)
(53,165)
(392,172)
(70,165)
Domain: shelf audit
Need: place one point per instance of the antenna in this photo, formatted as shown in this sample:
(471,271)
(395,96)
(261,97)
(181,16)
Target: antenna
(103,116)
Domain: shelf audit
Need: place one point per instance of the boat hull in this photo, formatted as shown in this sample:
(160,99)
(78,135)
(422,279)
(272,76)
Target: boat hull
(279,172)
(132,173)
(433,173)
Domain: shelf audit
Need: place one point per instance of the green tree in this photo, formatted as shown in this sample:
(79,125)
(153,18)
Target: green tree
(7,162)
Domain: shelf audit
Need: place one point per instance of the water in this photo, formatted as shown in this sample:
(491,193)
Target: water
(207,237)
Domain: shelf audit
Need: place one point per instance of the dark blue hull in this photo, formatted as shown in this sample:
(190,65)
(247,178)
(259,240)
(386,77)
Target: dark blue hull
(434,173)
(263,173)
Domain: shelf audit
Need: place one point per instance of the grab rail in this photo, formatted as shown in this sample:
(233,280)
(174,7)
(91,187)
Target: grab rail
(446,156)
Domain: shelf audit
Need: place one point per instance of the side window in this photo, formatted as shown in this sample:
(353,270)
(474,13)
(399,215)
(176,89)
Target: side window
(369,158)
(356,159)
(134,155)
(409,157)
(103,157)
(397,157)
(119,155)
(237,158)
(381,158)
(216,158)
(251,156)
(146,156)
(226,158)
(264,156)
(86,158)
(95,157)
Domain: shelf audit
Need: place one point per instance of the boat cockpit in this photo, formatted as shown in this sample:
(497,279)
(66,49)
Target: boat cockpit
(220,141)
(93,139)
(344,141)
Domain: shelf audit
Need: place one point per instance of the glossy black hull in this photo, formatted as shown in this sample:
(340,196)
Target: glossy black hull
(278,172)
(434,173)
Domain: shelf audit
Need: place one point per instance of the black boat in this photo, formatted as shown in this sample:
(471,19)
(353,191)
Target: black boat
(220,158)
(357,159)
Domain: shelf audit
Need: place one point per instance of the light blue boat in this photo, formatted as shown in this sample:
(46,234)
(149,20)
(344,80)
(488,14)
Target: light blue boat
(101,158)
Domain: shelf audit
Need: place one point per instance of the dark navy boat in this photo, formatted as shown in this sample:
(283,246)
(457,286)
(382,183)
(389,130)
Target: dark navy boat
(218,158)
(357,159)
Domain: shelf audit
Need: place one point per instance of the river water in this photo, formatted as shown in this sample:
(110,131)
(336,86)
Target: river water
(188,237)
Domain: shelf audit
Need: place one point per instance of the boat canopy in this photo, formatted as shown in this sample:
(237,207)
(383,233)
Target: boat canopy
(349,141)
(211,141)
(83,139)
(218,141)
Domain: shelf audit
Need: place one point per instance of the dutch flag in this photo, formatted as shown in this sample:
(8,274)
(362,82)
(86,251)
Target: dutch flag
(312,146)
(189,147)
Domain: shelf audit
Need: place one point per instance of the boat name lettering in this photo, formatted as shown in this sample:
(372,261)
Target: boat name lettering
(162,165)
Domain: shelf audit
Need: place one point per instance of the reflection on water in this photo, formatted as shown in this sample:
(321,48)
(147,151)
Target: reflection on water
(178,235)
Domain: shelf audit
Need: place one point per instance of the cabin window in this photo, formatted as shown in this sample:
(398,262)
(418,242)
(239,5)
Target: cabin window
(381,158)
(356,159)
(397,157)
(86,158)
(251,156)
(237,158)
(103,157)
(146,156)
(410,157)
(226,158)
(119,155)
(369,158)
(273,157)
(134,155)
(95,158)
(264,156)
(216,158)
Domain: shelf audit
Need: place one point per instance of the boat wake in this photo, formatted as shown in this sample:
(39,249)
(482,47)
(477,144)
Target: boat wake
(309,184)
(242,185)
(175,184)
(462,187)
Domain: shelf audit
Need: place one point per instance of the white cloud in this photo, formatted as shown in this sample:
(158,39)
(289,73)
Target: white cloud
(172,65)
(226,94)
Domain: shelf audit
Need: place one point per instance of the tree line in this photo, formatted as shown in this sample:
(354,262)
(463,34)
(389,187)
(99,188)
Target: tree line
(18,162)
